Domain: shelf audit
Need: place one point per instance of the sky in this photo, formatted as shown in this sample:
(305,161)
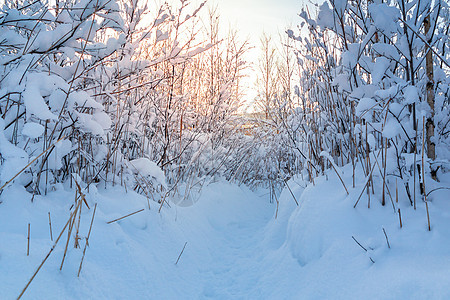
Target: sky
(252,18)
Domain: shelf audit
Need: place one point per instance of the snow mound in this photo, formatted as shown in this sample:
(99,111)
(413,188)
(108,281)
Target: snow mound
(321,256)
(146,167)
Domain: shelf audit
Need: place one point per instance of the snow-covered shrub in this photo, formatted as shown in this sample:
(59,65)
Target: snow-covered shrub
(89,87)
(49,57)
(370,76)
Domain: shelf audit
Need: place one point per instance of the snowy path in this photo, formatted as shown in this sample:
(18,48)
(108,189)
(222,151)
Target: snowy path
(237,221)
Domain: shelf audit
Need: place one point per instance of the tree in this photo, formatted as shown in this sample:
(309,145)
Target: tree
(266,80)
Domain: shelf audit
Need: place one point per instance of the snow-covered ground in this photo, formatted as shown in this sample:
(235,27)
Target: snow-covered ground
(135,258)
(235,249)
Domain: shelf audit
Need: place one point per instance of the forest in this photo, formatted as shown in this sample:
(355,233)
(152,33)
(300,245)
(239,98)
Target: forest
(131,120)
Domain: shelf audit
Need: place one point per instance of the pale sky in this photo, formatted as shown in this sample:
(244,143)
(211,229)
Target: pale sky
(253,17)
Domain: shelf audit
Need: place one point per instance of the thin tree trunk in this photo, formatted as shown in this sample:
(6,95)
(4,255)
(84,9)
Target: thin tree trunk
(430,93)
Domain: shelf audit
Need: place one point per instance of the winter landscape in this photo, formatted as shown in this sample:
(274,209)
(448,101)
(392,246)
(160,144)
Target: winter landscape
(210,150)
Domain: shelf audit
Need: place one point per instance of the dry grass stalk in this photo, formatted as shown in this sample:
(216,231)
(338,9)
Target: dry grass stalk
(78,203)
(368,167)
(383,175)
(367,180)
(396,191)
(69,231)
(415,166)
(47,256)
(87,240)
(77,237)
(423,176)
(289,188)
(387,240)
(50,226)
(118,219)
(278,204)
(383,202)
(428,214)
(180,253)
(362,247)
(337,173)
(28,240)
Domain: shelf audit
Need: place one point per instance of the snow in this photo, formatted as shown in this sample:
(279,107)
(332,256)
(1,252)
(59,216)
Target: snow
(364,105)
(45,39)
(392,128)
(329,264)
(81,98)
(34,103)
(380,67)
(102,119)
(160,20)
(89,124)
(14,157)
(411,94)
(386,50)
(342,82)
(390,92)
(325,18)
(33,130)
(146,167)
(235,247)
(340,6)
(62,148)
(385,17)
(160,36)
(133,258)
(350,57)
